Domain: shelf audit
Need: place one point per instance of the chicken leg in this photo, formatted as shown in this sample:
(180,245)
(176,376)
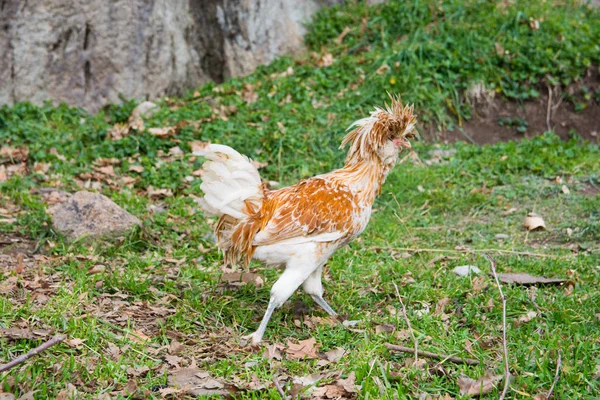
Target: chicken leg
(294,275)
(313,286)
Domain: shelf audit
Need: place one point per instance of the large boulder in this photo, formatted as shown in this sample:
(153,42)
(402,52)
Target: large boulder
(91,215)
(87,52)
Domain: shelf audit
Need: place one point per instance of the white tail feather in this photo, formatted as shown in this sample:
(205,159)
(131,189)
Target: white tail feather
(229,181)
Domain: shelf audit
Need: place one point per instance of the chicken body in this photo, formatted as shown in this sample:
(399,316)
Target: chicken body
(299,227)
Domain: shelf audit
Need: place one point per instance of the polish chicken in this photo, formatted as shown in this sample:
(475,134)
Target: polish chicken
(299,227)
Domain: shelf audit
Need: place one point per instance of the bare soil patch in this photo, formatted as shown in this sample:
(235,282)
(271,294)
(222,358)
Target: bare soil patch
(485,126)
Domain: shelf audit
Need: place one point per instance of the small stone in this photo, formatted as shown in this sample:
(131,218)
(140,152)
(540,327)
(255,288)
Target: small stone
(465,270)
(501,236)
(91,215)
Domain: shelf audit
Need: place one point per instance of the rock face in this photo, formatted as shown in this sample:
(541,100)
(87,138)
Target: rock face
(87,52)
(91,215)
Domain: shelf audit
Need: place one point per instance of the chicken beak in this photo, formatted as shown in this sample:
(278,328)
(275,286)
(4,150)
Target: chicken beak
(402,142)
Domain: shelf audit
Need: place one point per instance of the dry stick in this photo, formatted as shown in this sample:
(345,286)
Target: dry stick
(549,110)
(408,323)
(279,389)
(506,370)
(500,251)
(428,354)
(21,359)
(558,364)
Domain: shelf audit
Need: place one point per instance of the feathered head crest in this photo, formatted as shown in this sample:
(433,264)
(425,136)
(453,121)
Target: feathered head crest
(394,122)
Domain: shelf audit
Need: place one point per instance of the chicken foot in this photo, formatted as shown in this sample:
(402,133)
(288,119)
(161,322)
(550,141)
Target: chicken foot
(295,274)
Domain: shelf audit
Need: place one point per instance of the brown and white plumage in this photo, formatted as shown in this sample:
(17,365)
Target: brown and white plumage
(300,226)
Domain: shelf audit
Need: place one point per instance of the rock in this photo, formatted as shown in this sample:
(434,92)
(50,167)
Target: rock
(501,236)
(87,52)
(465,270)
(91,215)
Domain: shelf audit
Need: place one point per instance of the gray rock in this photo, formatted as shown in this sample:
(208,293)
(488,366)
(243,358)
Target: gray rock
(91,215)
(465,270)
(87,52)
(501,236)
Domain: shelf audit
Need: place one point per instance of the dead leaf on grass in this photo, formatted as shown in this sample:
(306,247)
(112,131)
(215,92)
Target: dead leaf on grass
(162,132)
(176,348)
(75,342)
(159,193)
(13,154)
(68,393)
(173,361)
(249,95)
(273,351)
(136,168)
(17,333)
(525,318)
(385,328)
(441,305)
(326,61)
(534,221)
(96,269)
(340,38)
(331,356)
(242,278)
(7,396)
(303,349)
(199,383)
(522,278)
(483,385)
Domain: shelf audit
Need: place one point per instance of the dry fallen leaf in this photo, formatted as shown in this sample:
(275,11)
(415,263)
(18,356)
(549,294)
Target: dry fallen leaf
(176,348)
(13,154)
(162,132)
(68,393)
(242,277)
(523,319)
(385,328)
(483,385)
(199,383)
(17,333)
(303,349)
(96,269)
(526,279)
(326,60)
(7,396)
(331,356)
(533,221)
(340,38)
(136,168)
(441,305)
(273,351)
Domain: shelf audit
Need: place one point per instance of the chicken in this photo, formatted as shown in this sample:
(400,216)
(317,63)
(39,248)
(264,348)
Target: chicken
(299,227)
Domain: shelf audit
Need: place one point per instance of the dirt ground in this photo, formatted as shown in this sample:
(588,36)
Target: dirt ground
(540,115)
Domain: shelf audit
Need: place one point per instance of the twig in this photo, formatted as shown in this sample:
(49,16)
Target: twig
(549,110)
(428,354)
(21,359)
(506,370)
(499,251)
(556,375)
(279,389)
(408,323)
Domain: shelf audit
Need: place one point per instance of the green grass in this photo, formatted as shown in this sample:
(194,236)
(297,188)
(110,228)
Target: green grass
(435,52)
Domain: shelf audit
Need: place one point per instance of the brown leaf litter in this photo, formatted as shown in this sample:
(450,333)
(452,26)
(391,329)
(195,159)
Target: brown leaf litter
(479,387)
